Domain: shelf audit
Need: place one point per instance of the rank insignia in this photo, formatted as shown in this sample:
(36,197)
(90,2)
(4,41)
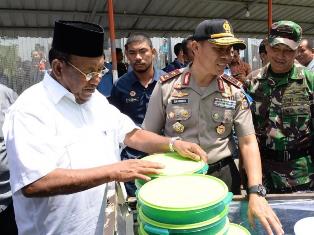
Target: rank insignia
(179,94)
(221,86)
(186,79)
(227,91)
(177,85)
(132,93)
(215,116)
(245,104)
(171,115)
(178,127)
(220,129)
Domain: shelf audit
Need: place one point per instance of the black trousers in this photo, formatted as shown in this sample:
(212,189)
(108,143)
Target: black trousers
(7,221)
(228,173)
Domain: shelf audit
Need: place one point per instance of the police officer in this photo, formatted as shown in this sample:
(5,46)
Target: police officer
(131,93)
(283,113)
(201,105)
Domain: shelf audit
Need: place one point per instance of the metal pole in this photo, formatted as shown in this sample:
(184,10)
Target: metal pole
(112,40)
(270,14)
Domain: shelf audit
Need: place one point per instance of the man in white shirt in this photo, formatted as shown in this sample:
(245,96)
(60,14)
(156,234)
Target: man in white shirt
(63,139)
(305,54)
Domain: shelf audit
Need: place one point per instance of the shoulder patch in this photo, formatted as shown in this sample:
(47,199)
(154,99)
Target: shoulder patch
(170,75)
(232,80)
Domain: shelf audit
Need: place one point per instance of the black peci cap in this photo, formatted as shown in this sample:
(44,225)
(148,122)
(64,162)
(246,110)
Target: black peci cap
(219,32)
(78,38)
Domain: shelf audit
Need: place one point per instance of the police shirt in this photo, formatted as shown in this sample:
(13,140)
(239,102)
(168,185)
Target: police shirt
(181,108)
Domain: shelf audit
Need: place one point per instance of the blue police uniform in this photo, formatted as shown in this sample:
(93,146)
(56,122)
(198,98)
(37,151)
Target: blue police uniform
(106,83)
(173,66)
(131,98)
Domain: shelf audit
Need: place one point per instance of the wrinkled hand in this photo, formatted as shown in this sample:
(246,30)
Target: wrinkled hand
(190,150)
(258,207)
(134,169)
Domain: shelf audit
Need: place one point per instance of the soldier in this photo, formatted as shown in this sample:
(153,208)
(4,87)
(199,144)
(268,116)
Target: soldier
(283,113)
(199,104)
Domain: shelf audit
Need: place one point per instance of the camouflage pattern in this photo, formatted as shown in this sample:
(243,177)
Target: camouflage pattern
(283,121)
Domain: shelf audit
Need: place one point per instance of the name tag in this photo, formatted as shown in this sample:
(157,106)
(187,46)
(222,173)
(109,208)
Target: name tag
(180,101)
(225,103)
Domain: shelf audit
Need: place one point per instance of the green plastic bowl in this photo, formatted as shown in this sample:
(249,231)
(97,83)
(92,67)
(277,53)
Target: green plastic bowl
(218,226)
(175,164)
(183,199)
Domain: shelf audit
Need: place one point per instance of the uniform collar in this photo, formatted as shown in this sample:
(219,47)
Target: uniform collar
(157,74)
(56,90)
(276,81)
(213,86)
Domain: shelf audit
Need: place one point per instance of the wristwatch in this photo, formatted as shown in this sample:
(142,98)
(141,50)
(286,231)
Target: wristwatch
(258,189)
(171,142)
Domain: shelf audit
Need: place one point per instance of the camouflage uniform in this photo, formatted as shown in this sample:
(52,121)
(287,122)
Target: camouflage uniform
(283,118)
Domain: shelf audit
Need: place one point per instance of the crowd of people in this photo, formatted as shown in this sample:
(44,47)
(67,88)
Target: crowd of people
(63,141)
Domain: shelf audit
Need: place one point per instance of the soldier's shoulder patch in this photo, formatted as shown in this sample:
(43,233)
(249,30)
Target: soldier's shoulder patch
(232,80)
(170,75)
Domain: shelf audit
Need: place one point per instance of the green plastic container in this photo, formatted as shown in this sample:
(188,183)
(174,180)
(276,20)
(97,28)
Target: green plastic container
(218,225)
(184,199)
(175,164)
(235,229)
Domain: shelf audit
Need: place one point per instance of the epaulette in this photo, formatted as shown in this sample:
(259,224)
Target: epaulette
(232,80)
(170,75)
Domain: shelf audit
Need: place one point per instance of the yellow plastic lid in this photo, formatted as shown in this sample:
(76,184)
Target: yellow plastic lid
(183,192)
(175,164)
(235,229)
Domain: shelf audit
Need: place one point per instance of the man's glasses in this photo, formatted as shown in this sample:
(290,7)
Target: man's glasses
(91,75)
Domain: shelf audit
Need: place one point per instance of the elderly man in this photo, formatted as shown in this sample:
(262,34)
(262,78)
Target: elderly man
(201,105)
(283,113)
(305,54)
(63,138)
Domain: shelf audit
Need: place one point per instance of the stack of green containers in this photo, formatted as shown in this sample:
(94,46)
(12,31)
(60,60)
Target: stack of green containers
(174,165)
(180,202)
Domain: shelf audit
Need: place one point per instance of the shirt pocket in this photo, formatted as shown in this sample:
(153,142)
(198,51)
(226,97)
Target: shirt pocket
(222,120)
(91,148)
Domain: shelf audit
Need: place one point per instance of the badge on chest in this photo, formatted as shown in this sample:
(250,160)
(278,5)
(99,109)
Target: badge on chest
(225,103)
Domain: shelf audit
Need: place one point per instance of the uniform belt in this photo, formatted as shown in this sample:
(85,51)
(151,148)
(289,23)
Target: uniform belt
(285,155)
(218,165)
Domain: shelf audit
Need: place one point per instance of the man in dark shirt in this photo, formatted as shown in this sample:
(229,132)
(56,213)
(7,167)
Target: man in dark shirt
(121,66)
(178,62)
(131,93)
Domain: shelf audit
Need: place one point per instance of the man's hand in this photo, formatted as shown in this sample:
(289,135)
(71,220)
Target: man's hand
(134,169)
(258,207)
(190,150)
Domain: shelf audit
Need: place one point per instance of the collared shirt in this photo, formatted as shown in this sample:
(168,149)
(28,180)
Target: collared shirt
(131,97)
(310,66)
(204,116)
(46,129)
(173,65)
(7,98)
(240,70)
